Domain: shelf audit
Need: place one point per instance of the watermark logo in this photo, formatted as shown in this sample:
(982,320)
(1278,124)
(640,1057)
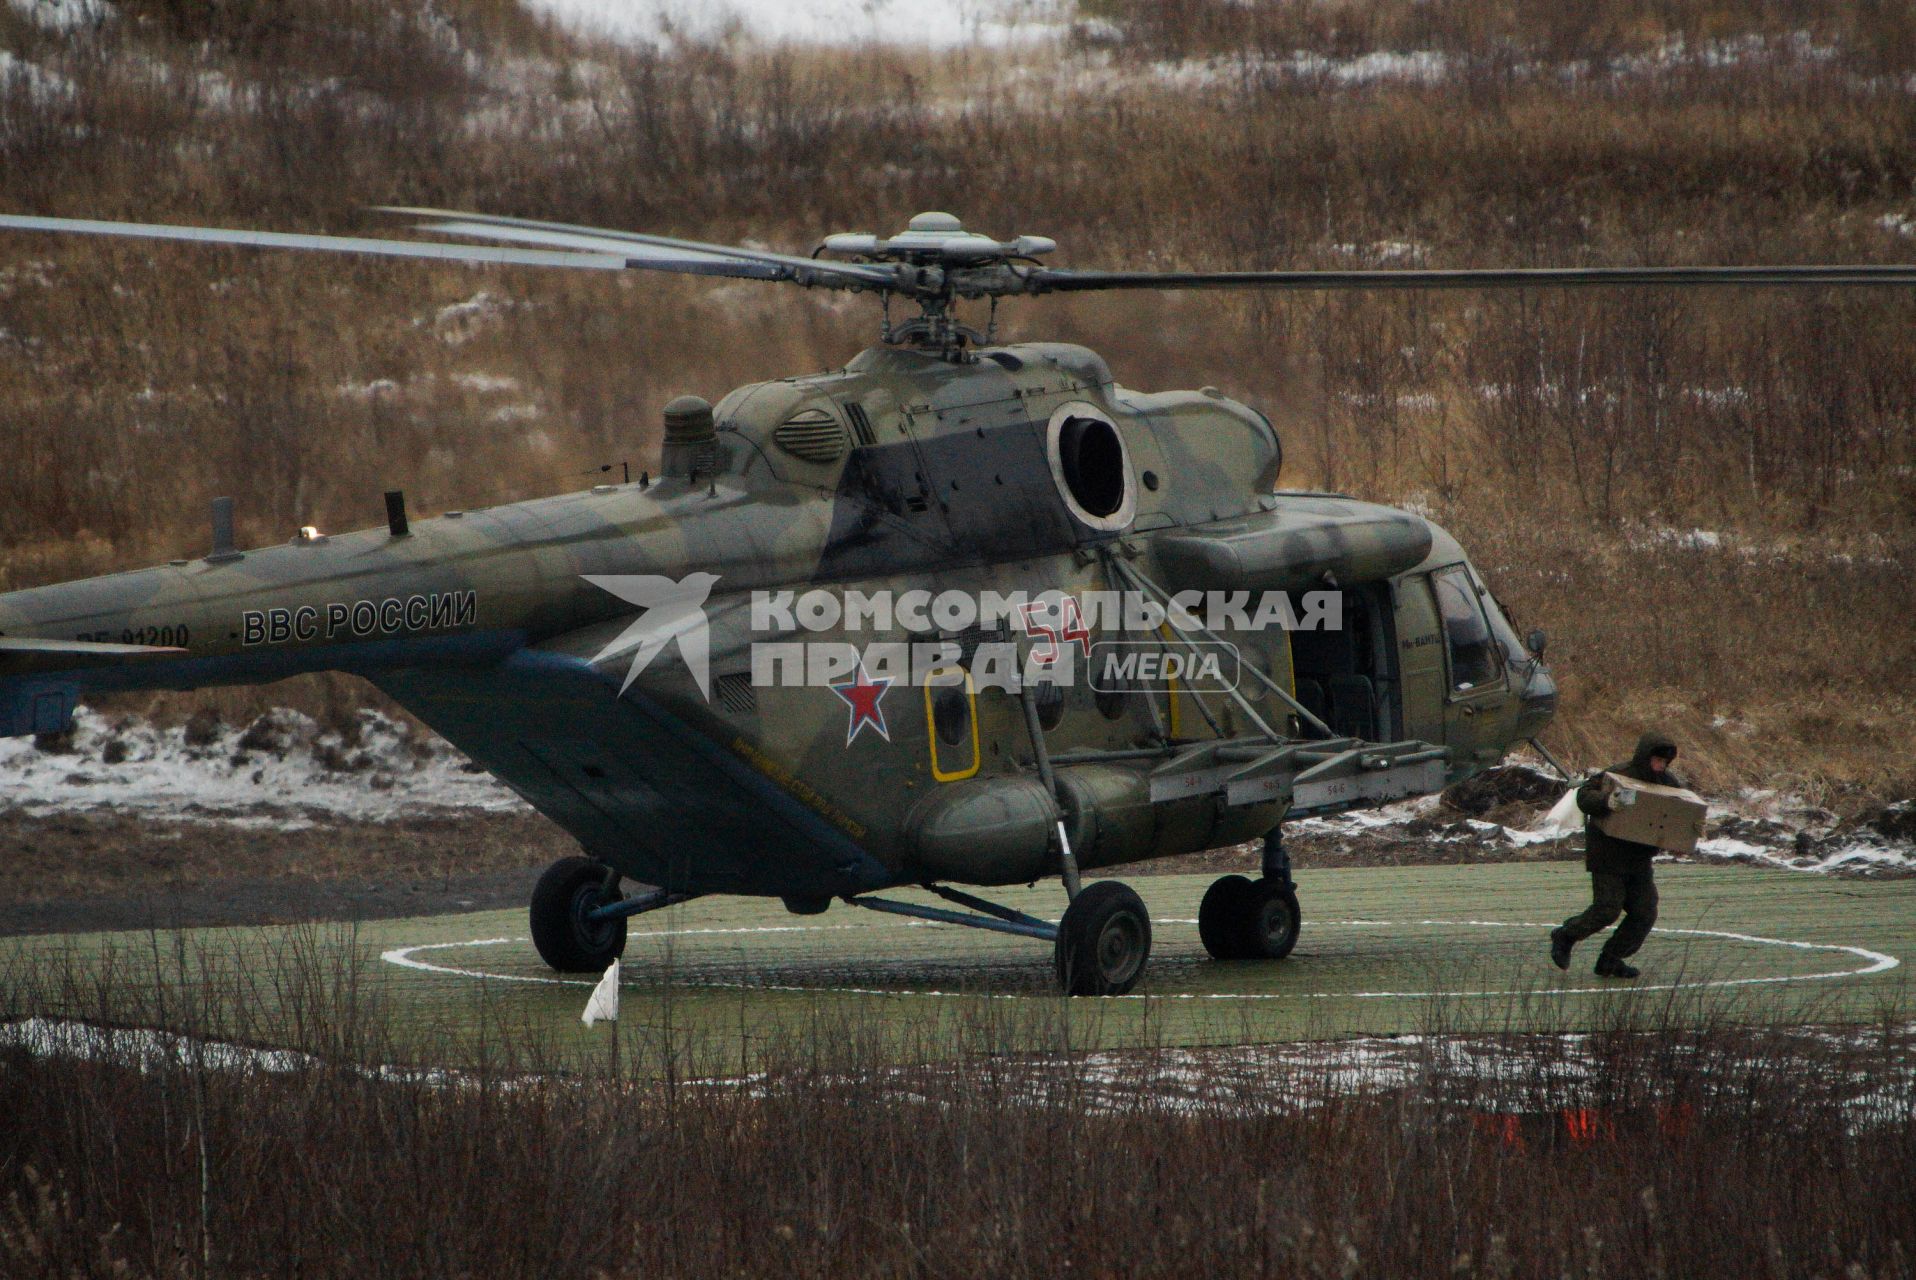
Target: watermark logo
(1122,642)
(674,611)
(1126,666)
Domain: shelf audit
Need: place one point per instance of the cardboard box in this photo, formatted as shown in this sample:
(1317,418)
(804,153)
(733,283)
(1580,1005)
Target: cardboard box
(1667,817)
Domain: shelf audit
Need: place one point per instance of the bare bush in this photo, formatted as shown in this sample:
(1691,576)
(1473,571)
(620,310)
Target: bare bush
(138,381)
(1669,1141)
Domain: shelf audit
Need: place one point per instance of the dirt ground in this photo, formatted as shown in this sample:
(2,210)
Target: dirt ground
(108,870)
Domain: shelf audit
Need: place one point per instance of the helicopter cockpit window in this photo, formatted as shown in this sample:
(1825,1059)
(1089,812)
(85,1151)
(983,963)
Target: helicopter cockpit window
(1091,466)
(1507,639)
(1473,661)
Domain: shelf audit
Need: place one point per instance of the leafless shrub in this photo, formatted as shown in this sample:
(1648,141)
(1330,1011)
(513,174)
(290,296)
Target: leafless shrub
(136,382)
(1671,1139)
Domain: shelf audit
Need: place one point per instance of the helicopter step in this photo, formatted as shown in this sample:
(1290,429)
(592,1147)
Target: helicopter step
(1317,776)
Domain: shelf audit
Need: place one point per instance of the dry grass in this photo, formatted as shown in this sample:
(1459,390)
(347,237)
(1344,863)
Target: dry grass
(1712,1152)
(1556,433)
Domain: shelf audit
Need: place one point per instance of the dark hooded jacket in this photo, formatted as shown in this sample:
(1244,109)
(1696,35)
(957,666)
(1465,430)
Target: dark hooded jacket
(1607,853)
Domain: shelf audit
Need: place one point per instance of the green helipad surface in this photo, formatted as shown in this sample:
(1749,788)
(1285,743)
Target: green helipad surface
(1385,950)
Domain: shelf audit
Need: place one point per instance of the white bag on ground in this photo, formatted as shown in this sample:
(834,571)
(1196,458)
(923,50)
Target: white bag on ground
(1564,818)
(604,1004)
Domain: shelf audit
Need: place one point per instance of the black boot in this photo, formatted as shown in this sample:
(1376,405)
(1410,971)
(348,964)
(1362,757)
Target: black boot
(1610,967)
(1560,949)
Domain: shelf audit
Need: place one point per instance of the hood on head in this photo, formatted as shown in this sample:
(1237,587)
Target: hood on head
(1650,744)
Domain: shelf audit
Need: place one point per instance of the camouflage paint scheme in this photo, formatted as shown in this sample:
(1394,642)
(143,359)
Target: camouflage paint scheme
(907,469)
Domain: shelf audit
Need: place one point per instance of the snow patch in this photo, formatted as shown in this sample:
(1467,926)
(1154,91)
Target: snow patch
(282,771)
(1384,251)
(367,390)
(1358,820)
(37,272)
(1868,1070)
(150,1052)
(461,322)
(1677,539)
(925,23)
(1423,66)
(1757,827)
(1860,856)
(40,85)
(1753,49)
(485,383)
(142,1050)
(65,15)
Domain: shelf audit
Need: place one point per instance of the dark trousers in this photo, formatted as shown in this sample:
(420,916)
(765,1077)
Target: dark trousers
(1630,894)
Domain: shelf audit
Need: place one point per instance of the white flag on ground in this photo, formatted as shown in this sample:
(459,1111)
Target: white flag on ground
(604,1004)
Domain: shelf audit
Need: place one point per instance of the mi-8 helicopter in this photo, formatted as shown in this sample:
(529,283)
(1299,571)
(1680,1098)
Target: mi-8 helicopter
(958,613)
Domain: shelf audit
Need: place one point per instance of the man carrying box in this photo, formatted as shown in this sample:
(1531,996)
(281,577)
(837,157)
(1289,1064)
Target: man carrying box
(1621,879)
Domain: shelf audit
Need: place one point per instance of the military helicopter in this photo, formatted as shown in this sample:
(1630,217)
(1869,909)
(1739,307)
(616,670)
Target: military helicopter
(757,672)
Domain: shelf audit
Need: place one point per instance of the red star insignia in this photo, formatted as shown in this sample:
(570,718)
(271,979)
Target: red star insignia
(863,695)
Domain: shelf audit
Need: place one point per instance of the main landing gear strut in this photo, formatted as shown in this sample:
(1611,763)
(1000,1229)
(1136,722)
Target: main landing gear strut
(1099,947)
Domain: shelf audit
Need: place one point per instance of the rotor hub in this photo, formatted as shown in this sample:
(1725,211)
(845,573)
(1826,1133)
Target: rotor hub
(936,261)
(936,239)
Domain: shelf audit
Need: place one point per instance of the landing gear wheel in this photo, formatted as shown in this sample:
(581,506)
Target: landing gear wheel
(1272,921)
(1242,919)
(1103,941)
(566,940)
(1222,916)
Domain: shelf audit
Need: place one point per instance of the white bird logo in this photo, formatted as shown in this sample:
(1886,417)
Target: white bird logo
(674,610)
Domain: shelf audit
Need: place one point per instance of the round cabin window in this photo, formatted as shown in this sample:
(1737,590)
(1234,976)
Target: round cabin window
(1091,466)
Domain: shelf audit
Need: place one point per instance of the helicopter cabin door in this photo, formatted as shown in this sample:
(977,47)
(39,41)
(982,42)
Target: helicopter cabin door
(1420,658)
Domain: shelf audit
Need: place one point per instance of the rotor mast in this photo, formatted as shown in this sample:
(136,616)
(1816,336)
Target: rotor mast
(935,262)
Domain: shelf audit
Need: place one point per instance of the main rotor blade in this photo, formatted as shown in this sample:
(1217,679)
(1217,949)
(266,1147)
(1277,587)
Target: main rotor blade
(1048,280)
(453,221)
(320,243)
(803,271)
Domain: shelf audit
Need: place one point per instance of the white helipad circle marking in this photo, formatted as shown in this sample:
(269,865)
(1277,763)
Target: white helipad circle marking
(1878,962)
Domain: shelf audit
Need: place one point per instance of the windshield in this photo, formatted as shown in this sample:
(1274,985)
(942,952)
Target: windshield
(1473,661)
(1515,650)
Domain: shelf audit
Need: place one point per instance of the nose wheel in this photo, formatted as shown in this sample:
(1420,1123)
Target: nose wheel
(1245,919)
